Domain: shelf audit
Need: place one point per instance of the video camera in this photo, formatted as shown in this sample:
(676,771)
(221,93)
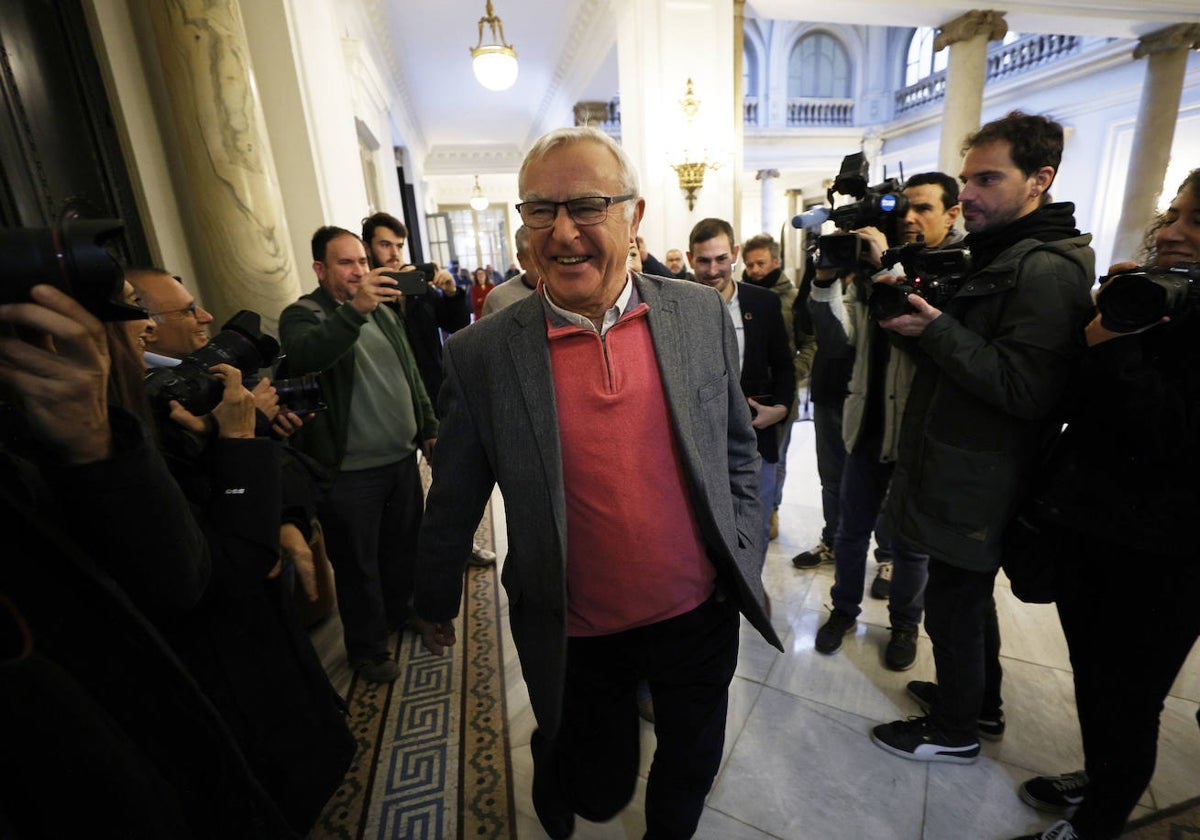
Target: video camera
(936,275)
(240,343)
(1140,297)
(77,257)
(882,206)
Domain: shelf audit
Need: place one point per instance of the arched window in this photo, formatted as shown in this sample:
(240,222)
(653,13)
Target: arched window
(749,70)
(819,67)
(922,60)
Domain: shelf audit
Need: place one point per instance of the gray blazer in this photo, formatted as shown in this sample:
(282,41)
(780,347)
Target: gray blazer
(500,425)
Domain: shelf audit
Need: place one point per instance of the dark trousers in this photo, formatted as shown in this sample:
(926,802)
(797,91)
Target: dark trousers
(960,618)
(688,661)
(831,458)
(863,487)
(371,519)
(1123,668)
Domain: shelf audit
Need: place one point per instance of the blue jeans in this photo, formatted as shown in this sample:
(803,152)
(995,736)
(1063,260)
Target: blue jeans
(831,457)
(863,487)
(766,493)
(785,440)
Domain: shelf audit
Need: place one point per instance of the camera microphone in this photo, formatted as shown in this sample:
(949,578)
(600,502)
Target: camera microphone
(812,219)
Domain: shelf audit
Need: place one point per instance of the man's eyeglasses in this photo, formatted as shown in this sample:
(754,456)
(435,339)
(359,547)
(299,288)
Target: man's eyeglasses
(589,210)
(190,309)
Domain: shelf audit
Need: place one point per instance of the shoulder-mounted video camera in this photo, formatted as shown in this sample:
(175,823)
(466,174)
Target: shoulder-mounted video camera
(934,274)
(882,206)
(1142,296)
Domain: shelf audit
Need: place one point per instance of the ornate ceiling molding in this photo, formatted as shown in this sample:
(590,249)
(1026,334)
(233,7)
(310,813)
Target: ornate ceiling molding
(469,160)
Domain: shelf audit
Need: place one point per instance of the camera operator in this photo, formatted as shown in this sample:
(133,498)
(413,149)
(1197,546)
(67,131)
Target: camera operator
(1121,493)
(990,372)
(90,686)
(878,391)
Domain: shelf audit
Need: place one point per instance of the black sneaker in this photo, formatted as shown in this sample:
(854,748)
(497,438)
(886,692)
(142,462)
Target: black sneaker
(829,637)
(815,556)
(919,740)
(901,650)
(1061,830)
(881,587)
(380,669)
(1055,794)
(991,724)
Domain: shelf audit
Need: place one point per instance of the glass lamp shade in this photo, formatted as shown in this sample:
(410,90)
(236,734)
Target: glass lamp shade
(479,202)
(495,66)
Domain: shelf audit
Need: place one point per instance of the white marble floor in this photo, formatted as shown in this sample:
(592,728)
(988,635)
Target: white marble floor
(799,763)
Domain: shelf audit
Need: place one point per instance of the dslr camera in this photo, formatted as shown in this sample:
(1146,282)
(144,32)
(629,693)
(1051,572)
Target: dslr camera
(882,206)
(1142,296)
(240,343)
(79,257)
(935,275)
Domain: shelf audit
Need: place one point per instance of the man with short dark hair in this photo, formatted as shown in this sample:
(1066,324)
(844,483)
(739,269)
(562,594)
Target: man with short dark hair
(676,266)
(991,368)
(379,417)
(606,409)
(766,375)
(878,391)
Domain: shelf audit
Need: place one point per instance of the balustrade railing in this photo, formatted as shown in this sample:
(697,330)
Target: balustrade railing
(813,111)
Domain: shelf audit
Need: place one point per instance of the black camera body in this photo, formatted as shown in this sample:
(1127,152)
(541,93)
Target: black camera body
(77,257)
(1143,296)
(240,343)
(882,206)
(934,274)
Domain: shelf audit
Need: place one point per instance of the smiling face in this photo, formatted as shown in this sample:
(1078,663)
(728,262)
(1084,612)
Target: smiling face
(584,267)
(344,267)
(1178,240)
(139,329)
(995,191)
(712,261)
(178,330)
(759,263)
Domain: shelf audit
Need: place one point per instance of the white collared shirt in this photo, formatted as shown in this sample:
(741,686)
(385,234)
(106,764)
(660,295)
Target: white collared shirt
(610,317)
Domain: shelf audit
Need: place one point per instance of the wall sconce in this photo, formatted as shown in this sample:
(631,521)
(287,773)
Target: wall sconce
(691,172)
(691,177)
(495,63)
(479,202)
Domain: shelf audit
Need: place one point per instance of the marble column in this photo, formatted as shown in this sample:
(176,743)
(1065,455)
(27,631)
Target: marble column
(739,115)
(1166,54)
(967,36)
(239,236)
(767,178)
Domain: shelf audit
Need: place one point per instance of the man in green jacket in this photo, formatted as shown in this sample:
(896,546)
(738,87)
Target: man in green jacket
(379,416)
(990,370)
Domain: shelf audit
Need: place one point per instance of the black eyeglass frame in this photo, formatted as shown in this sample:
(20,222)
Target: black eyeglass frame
(191,309)
(609,201)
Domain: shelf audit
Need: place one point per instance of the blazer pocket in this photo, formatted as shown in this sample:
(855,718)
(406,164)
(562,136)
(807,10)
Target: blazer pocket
(712,389)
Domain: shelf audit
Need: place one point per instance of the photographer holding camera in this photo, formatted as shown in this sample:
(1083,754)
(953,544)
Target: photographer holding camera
(1120,492)
(990,372)
(107,541)
(878,391)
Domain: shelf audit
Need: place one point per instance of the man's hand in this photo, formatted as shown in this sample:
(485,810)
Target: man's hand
(373,290)
(1095,333)
(266,399)
(287,423)
(913,324)
(766,415)
(58,370)
(444,280)
(874,243)
(293,546)
(235,412)
(435,636)
(427,447)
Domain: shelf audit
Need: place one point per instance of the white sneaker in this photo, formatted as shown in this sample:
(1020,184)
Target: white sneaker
(481,556)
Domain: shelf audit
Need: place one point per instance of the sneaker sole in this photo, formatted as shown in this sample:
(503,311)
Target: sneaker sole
(933,752)
(1046,807)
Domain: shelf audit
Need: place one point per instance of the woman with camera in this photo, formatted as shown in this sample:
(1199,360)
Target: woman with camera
(1118,500)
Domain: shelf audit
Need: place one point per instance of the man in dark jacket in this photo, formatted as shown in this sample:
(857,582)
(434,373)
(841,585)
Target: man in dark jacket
(379,416)
(990,371)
